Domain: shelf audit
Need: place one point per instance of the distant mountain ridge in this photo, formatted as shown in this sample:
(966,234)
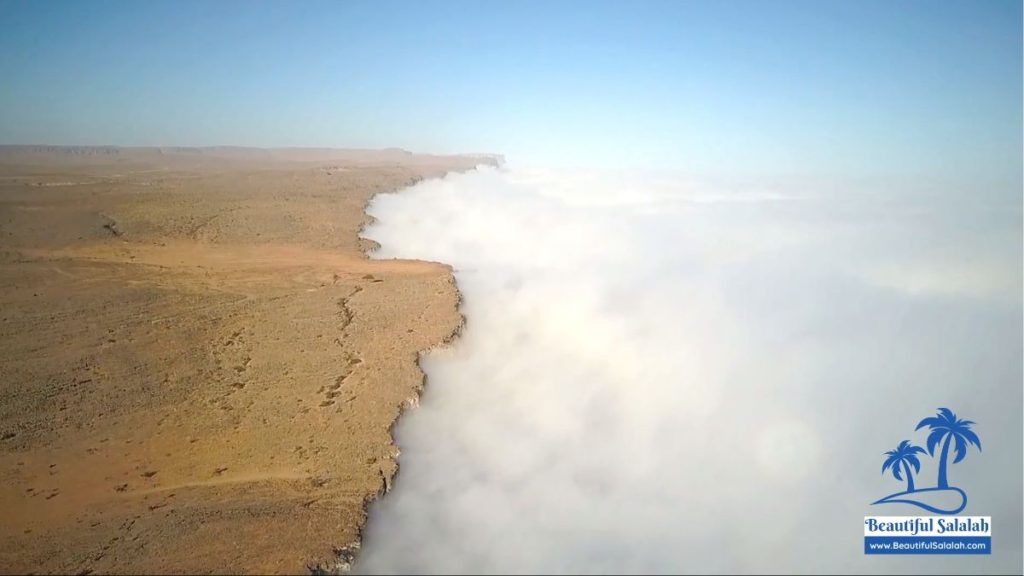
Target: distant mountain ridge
(36,151)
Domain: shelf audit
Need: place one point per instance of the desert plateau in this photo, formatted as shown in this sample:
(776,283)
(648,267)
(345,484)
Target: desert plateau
(200,365)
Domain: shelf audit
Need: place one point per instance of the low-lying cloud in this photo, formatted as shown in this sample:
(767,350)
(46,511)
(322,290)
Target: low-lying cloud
(660,377)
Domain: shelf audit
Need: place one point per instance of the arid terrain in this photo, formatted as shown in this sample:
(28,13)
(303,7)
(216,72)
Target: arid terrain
(199,366)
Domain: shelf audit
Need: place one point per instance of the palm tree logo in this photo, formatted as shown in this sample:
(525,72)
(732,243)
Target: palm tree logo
(946,425)
(947,429)
(904,456)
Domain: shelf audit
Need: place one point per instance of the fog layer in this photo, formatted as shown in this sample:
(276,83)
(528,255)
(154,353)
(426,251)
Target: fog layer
(659,376)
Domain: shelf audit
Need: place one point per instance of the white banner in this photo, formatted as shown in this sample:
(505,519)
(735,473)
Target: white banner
(927,525)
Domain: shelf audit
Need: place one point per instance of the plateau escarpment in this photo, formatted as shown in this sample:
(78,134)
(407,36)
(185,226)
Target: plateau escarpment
(201,366)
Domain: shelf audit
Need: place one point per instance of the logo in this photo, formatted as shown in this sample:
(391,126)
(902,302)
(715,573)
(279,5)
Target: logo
(947,533)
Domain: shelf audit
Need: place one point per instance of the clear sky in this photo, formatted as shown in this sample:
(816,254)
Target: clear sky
(854,88)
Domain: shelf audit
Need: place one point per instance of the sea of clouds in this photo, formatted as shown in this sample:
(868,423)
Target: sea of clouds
(662,376)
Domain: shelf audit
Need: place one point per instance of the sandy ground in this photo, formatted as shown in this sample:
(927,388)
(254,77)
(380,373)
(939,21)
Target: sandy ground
(199,368)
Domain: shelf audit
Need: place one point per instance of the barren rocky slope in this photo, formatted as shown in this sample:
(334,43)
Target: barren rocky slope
(200,367)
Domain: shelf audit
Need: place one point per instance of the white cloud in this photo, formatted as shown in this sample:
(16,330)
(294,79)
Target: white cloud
(656,376)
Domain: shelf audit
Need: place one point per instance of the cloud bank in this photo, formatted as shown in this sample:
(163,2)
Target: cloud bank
(657,376)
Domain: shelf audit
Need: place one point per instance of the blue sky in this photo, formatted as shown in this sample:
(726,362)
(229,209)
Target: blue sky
(908,89)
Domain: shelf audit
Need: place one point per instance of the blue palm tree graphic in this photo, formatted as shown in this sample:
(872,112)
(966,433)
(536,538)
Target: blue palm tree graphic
(946,429)
(945,425)
(904,457)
